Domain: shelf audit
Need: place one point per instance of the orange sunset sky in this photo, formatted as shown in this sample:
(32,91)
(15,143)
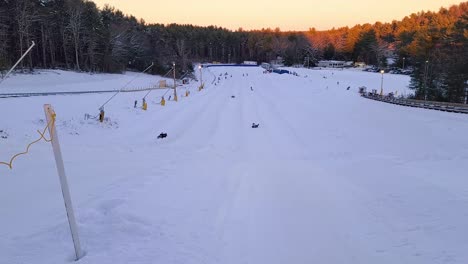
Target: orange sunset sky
(287,15)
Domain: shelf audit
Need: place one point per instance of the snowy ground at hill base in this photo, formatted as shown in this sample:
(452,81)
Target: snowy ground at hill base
(68,81)
(328,177)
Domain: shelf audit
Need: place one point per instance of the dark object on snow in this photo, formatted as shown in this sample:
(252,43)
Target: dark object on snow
(281,71)
(255,125)
(136,102)
(3,134)
(162,135)
(349,87)
(251,89)
(232,96)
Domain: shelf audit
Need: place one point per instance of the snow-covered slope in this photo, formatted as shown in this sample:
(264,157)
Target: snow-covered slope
(328,177)
(354,78)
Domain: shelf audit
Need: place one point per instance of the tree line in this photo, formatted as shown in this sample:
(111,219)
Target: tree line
(75,34)
(434,44)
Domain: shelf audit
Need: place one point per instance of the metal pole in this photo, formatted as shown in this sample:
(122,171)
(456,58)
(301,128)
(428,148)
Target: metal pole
(404,62)
(112,97)
(18,62)
(50,116)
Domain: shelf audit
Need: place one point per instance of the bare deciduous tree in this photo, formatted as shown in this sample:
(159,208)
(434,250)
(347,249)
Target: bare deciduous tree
(75,12)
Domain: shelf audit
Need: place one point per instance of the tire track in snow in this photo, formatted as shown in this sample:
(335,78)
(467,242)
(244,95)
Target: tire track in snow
(175,116)
(206,121)
(284,133)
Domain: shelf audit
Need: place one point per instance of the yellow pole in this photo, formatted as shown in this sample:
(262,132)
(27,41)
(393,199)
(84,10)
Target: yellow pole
(101,115)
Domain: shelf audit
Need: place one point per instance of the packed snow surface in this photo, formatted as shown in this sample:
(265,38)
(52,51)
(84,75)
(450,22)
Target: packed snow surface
(327,177)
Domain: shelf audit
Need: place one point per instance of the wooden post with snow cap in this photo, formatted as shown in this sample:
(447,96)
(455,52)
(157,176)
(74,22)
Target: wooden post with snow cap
(50,116)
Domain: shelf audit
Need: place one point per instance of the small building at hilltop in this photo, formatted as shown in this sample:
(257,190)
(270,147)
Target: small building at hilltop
(334,64)
(278,62)
(250,63)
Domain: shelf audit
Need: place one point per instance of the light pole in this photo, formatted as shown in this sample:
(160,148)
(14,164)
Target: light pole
(404,62)
(426,66)
(229,58)
(381,83)
(175,85)
(201,73)
(201,77)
